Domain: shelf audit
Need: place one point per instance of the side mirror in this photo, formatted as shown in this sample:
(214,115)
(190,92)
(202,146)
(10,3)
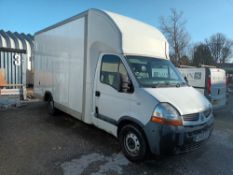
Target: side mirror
(125,84)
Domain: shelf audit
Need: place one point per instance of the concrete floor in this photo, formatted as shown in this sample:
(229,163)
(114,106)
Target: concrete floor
(32,142)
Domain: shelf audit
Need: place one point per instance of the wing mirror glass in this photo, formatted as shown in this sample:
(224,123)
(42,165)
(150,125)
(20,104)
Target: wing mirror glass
(186,80)
(125,84)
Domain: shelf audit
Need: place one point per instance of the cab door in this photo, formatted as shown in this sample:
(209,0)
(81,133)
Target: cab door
(110,102)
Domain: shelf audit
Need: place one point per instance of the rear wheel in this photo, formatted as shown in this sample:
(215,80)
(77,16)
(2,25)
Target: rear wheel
(51,108)
(133,143)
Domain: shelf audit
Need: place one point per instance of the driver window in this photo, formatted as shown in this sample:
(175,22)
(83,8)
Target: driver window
(111,66)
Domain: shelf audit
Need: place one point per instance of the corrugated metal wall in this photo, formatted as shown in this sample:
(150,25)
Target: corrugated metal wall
(15,58)
(11,67)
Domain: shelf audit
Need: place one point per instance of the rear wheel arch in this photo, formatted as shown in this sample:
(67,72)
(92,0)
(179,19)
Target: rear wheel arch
(48,96)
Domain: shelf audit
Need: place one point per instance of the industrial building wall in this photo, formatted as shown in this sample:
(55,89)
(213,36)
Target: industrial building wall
(12,68)
(16,59)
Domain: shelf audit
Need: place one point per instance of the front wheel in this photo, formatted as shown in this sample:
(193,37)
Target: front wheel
(133,143)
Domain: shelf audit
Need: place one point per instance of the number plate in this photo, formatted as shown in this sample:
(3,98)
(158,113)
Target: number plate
(201,136)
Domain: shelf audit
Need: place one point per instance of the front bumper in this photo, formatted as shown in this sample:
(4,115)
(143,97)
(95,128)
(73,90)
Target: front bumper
(167,139)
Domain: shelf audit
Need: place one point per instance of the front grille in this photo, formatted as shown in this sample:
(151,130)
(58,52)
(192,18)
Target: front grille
(190,147)
(187,147)
(195,117)
(191,117)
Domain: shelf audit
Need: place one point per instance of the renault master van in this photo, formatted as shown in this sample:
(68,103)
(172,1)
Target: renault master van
(114,72)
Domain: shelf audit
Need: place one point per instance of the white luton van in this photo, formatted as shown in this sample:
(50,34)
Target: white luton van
(114,72)
(210,81)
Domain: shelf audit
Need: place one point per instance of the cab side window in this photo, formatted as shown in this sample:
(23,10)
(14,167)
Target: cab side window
(111,69)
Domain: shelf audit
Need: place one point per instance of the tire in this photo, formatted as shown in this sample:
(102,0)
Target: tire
(133,143)
(51,109)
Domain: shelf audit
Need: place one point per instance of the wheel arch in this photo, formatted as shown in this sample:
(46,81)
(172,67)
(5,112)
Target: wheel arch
(129,120)
(47,96)
(126,120)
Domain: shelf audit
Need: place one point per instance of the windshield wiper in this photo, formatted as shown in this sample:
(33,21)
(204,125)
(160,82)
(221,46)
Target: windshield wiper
(152,85)
(166,84)
(180,84)
(157,85)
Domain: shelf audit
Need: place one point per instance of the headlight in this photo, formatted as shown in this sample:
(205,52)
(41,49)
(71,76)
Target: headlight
(208,111)
(165,113)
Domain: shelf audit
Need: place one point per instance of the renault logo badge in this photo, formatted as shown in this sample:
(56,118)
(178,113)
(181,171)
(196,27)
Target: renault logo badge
(202,117)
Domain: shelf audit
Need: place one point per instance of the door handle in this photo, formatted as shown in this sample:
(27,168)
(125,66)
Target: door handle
(97,93)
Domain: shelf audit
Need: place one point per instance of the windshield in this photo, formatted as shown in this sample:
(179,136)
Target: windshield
(154,72)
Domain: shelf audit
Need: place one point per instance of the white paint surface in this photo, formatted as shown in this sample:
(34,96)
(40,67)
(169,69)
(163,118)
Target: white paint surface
(139,38)
(186,99)
(60,62)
